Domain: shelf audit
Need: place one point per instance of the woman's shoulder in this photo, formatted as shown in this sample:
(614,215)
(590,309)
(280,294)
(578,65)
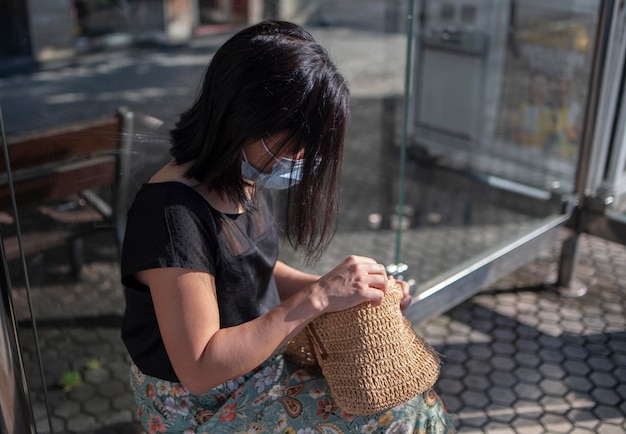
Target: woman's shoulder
(168,183)
(165,203)
(165,193)
(172,172)
(169,209)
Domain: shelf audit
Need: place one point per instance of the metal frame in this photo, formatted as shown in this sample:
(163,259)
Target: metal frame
(460,283)
(20,419)
(612,187)
(592,213)
(607,89)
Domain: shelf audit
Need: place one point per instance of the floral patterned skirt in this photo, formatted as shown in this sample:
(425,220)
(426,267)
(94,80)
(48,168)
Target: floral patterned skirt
(277,397)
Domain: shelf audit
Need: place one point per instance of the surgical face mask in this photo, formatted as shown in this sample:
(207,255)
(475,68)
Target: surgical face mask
(285,173)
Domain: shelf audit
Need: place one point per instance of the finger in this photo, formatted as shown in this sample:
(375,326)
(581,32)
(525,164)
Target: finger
(405,288)
(404,304)
(362,259)
(375,296)
(368,268)
(358,264)
(406,301)
(377,268)
(378,281)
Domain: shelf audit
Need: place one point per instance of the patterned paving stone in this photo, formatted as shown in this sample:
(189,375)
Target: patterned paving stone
(606,428)
(562,373)
(554,423)
(523,425)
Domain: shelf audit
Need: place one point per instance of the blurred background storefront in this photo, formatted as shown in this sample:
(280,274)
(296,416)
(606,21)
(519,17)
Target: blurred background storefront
(47,31)
(52,30)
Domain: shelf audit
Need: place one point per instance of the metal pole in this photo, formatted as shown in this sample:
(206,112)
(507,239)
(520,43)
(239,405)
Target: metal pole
(407,101)
(566,283)
(16,414)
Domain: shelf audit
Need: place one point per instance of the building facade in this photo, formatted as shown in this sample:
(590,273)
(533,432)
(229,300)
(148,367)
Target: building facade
(44,31)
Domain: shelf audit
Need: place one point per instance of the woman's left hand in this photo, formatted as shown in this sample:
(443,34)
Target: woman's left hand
(406,296)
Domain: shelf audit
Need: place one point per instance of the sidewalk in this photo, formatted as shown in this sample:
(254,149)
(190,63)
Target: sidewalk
(521,359)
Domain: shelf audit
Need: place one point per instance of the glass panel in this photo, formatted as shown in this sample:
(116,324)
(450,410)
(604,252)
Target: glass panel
(477,152)
(504,93)
(95,18)
(15,402)
(615,177)
(368,41)
(494,126)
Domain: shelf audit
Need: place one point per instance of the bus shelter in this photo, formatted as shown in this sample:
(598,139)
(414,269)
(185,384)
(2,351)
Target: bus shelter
(483,132)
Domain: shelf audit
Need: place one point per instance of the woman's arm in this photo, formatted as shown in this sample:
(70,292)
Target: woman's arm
(290,280)
(204,356)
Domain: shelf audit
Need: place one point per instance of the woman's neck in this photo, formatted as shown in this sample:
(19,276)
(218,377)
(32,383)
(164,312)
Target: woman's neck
(173,172)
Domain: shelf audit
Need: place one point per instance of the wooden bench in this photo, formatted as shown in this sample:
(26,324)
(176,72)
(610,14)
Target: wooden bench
(66,183)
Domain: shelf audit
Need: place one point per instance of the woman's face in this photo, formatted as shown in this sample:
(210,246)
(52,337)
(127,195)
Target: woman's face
(262,158)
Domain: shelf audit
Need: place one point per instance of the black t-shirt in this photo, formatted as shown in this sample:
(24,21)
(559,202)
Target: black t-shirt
(171,225)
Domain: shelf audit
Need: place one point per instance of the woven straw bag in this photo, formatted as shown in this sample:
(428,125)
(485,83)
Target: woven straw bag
(371,356)
(299,351)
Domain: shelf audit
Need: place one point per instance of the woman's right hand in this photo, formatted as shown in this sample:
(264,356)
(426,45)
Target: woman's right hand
(355,280)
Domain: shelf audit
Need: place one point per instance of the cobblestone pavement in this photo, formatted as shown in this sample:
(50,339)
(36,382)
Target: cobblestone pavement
(518,357)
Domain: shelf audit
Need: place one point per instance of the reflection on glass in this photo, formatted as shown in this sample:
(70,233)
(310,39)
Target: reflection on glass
(369,45)
(546,82)
(101,17)
(111,23)
(495,115)
(506,90)
(13,412)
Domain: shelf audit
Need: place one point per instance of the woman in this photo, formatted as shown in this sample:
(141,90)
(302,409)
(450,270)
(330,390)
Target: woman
(208,305)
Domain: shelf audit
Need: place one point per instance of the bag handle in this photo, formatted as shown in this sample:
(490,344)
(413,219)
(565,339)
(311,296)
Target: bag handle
(317,342)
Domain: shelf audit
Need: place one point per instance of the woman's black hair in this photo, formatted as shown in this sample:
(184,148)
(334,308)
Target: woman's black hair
(271,79)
